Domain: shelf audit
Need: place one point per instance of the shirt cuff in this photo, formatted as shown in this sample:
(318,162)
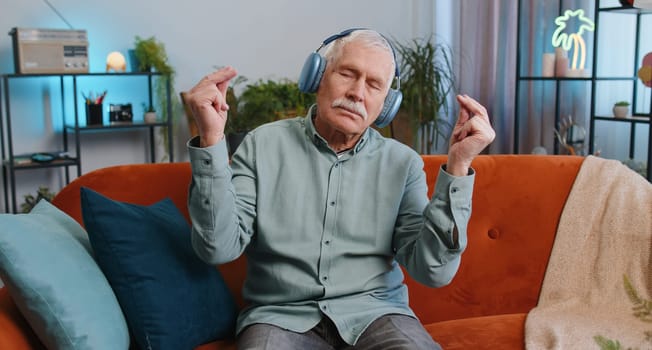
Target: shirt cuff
(210,160)
(457,190)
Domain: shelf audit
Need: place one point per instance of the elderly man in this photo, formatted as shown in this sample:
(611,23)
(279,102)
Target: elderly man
(326,209)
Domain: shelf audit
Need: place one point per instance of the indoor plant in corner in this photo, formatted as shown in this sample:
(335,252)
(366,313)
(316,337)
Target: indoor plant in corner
(150,55)
(427,80)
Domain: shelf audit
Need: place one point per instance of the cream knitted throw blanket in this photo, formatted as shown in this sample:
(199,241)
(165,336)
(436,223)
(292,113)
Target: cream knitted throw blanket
(604,233)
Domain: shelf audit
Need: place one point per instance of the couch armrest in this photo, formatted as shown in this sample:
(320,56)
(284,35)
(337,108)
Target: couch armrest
(16,333)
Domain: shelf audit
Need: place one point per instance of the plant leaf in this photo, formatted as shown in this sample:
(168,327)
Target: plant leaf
(607,344)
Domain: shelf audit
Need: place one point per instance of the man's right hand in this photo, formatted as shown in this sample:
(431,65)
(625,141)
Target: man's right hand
(207,100)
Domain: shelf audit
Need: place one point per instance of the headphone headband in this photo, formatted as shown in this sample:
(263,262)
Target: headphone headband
(338,35)
(330,39)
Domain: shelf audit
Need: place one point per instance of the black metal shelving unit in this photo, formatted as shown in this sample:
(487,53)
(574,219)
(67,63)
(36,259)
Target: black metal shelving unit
(637,119)
(67,157)
(531,78)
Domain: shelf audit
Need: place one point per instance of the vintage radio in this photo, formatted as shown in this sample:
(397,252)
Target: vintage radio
(42,51)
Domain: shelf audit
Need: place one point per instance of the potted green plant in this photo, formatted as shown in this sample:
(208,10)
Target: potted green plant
(150,55)
(262,102)
(31,200)
(149,113)
(270,100)
(427,80)
(236,128)
(621,108)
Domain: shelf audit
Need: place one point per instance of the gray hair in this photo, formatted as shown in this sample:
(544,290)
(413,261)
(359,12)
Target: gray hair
(367,37)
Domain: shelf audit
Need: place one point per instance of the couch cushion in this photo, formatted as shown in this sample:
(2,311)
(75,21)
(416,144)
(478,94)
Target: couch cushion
(55,282)
(16,333)
(219,345)
(479,333)
(171,299)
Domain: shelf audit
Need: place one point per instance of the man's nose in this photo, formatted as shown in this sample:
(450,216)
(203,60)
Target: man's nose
(356,90)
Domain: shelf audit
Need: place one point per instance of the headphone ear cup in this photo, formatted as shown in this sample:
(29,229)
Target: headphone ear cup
(390,108)
(311,73)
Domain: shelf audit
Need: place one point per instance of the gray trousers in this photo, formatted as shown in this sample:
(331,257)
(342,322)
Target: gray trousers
(388,332)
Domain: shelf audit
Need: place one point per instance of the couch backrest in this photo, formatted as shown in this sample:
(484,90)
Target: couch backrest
(517,202)
(134,183)
(516,207)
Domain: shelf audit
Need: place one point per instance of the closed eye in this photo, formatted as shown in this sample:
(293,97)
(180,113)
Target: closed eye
(374,84)
(347,73)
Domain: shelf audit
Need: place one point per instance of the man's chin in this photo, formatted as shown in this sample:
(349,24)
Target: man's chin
(351,125)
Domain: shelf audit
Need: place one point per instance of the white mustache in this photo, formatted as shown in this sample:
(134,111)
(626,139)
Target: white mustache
(351,106)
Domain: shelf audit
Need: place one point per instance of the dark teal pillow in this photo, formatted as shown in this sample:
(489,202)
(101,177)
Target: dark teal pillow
(170,298)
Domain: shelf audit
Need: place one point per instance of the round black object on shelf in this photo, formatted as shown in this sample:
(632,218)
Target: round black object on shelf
(43,157)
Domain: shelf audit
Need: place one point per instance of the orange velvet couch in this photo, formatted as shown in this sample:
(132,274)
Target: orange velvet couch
(517,203)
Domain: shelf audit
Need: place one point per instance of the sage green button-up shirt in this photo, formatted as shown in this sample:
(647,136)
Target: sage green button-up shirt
(325,234)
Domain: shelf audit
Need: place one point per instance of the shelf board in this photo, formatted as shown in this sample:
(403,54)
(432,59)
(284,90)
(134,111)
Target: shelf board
(116,125)
(630,119)
(616,78)
(24,162)
(575,79)
(89,74)
(623,9)
(555,78)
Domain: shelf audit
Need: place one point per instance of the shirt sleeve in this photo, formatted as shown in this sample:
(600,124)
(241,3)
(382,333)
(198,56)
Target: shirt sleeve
(429,243)
(221,221)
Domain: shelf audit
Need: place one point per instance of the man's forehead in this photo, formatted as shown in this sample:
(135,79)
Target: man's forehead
(372,55)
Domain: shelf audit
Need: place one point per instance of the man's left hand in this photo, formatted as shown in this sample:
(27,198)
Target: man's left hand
(471,134)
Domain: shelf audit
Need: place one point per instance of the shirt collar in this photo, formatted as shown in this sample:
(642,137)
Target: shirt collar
(318,140)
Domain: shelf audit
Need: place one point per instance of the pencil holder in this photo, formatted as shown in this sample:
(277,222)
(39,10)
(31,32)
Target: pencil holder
(94,114)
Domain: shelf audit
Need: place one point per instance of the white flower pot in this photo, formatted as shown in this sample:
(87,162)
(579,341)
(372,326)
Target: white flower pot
(150,117)
(621,111)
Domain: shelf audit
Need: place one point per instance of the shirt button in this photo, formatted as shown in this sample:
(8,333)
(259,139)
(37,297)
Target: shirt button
(323,307)
(454,189)
(332,203)
(207,162)
(327,242)
(337,165)
(325,278)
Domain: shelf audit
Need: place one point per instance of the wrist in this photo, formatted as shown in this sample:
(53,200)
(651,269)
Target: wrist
(210,140)
(458,168)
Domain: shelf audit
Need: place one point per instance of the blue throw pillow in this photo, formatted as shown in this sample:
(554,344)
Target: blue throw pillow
(170,298)
(56,284)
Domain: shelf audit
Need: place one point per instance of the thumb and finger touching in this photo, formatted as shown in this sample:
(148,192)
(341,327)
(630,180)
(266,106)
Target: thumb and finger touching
(209,106)
(473,124)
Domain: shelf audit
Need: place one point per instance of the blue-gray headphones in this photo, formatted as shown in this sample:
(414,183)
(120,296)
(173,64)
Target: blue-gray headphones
(315,65)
